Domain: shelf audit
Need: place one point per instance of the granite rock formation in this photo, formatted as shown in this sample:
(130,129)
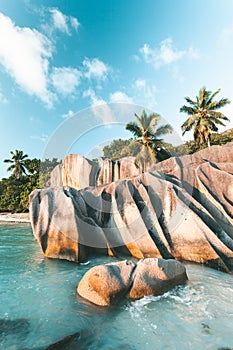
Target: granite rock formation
(181,209)
(79,172)
(106,284)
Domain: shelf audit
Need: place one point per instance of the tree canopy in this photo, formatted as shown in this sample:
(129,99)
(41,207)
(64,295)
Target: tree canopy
(18,165)
(148,137)
(204,115)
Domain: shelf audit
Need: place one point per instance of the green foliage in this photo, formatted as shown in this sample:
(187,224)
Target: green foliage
(17,161)
(204,116)
(14,193)
(46,166)
(113,150)
(15,190)
(121,148)
(148,137)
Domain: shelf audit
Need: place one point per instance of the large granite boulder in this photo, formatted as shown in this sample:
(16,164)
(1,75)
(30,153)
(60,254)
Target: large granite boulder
(106,284)
(182,209)
(79,172)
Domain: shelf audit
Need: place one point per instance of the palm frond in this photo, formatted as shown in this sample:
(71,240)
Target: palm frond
(11,167)
(191,102)
(152,122)
(24,156)
(188,110)
(210,99)
(164,129)
(201,96)
(219,104)
(215,120)
(189,123)
(213,126)
(218,115)
(134,128)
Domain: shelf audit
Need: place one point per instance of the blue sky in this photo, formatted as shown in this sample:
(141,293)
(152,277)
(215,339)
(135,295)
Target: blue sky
(63,62)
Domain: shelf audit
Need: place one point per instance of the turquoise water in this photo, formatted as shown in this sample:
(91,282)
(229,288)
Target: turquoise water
(39,305)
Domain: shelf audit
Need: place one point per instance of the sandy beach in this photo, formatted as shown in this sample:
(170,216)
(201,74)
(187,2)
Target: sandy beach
(14,218)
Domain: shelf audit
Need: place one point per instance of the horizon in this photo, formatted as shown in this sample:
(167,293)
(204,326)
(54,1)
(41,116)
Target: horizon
(61,61)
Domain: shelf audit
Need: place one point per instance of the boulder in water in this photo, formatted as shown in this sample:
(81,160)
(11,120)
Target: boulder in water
(106,284)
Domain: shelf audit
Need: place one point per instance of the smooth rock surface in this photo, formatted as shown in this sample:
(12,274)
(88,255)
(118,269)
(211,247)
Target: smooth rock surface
(156,276)
(79,172)
(106,284)
(182,209)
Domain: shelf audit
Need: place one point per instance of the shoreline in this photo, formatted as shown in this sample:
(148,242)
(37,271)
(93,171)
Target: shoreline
(14,218)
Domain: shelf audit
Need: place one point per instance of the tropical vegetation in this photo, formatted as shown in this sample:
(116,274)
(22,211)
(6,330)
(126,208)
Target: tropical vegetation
(27,174)
(204,115)
(17,161)
(146,146)
(148,137)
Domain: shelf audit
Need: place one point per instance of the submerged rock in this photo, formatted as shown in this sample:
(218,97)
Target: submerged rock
(106,284)
(13,332)
(71,342)
(19,325)
(182,209)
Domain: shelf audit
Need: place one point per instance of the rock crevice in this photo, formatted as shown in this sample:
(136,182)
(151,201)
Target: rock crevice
(181,209)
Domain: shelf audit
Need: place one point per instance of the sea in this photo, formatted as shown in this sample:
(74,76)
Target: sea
(39,305)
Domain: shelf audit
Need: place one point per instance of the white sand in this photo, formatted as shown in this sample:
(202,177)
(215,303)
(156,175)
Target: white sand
(19,217)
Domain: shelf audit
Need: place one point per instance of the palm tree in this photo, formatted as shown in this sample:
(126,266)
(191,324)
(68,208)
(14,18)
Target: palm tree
(204,115)
(18,165)
(146,135)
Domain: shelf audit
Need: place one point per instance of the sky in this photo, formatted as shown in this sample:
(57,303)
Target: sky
(73,73)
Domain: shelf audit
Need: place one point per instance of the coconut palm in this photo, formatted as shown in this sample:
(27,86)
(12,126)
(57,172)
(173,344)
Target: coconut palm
(148,137)
(204,115)
(17,163)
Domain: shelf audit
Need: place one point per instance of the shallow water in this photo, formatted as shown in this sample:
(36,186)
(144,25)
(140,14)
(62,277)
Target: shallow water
(41,294)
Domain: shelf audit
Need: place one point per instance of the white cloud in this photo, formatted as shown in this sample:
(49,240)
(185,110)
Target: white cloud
(24,53)
(120,96)
(95,68)
(100,108)
(67,115)
(74,22)
(140,83)
(166,53)
(95,101)
(42,138)
(146,93)
(3,99)
(65,79)
(59,20)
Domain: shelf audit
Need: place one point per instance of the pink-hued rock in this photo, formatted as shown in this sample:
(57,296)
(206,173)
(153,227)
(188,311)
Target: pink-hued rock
(106,284)
(182,209)
(79,172)
(156,276)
